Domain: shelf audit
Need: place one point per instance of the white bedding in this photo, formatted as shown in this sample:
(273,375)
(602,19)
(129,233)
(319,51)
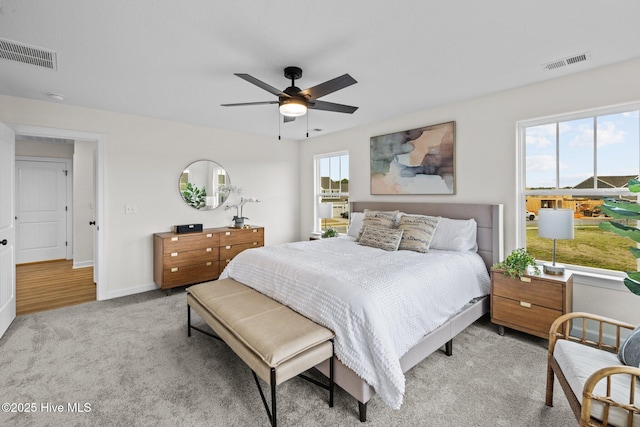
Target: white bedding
(378,303)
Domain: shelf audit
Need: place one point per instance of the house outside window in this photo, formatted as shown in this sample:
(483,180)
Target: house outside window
(332,191)
(577,161)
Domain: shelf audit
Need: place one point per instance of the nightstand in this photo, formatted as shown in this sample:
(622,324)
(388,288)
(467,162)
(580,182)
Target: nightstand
(531,303)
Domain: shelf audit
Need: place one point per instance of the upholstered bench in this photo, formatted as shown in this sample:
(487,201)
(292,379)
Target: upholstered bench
(273,340)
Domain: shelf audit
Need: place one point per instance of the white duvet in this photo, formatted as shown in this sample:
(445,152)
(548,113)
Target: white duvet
(378,303)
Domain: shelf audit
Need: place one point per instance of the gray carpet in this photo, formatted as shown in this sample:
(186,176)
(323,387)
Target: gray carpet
(130,360)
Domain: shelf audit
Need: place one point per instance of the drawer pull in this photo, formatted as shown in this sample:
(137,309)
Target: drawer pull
(255,243)
(525,279)
(209,263)
(174,269)
(255,231)
(209,249)
(525,304)
(227,247)
(174,253)
(209,235)
(228,233)
(228,261)
(174,239)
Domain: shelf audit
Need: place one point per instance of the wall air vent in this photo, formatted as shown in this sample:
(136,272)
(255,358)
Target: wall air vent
(567,61)
(32,55)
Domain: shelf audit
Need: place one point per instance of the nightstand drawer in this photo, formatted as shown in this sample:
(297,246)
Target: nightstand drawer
(538,291)
(526,316)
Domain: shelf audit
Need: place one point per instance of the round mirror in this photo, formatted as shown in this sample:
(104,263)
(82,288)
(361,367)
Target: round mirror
(199,184)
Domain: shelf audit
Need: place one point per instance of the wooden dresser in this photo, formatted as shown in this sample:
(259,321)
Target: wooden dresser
(184,259)
(530,304)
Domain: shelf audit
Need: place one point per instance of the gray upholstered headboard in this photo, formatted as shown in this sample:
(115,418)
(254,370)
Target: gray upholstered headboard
(488,217)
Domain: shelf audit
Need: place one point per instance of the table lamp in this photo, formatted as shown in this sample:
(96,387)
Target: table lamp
(556,224)
(325,211)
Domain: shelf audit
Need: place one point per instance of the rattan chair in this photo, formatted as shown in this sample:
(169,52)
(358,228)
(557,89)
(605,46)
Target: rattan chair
(596,407)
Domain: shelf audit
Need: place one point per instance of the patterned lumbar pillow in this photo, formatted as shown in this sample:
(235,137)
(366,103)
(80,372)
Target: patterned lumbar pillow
(629,353)
(381,237)
(418,232)
(378,219)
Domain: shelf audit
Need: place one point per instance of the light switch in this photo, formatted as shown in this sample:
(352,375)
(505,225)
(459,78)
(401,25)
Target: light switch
(130,209)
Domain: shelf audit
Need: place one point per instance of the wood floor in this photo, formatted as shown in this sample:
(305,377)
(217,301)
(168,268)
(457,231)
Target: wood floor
(52,284)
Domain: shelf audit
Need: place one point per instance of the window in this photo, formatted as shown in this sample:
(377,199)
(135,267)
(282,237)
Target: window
(576,162)
(332,191)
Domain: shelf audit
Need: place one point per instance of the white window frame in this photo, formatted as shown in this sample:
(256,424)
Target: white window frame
(521,191)
(317,194)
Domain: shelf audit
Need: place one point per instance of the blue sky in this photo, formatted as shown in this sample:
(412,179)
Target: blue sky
(617,149)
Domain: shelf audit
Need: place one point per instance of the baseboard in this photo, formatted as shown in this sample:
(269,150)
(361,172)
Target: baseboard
(129,291)
(82,264)
(608,337)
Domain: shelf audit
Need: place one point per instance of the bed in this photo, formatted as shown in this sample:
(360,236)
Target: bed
(353,289)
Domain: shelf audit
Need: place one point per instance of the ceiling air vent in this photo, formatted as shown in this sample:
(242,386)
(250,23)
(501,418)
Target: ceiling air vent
(567,61)
(20,52)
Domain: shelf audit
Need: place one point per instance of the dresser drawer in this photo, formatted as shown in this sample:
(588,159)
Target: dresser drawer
(187,242)
(199,256)
(229,251)
(537,292)
(179,276)
(242,235)
(522,315)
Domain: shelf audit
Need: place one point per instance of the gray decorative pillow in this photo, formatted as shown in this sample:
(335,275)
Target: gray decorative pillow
(629,353)
(378,219)
(381,237)
(418,232)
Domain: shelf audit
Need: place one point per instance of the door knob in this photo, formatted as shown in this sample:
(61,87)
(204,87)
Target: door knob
(3,242)
(92,223)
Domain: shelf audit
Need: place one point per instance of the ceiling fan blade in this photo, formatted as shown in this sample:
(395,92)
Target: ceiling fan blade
(288,119)
(328,87)
(249,103)
(331,106)
(262,84)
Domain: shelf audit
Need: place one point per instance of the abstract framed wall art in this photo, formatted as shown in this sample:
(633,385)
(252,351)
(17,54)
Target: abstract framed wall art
(416,161)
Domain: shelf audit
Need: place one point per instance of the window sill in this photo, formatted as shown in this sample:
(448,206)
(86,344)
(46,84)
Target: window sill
(612,280)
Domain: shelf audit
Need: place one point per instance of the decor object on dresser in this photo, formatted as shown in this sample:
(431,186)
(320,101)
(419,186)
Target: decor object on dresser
(600,391)
(238,218)
(556,224)
(184,259)
(197,181)
(529,303)
(518,263)
(416,161)
(398,280)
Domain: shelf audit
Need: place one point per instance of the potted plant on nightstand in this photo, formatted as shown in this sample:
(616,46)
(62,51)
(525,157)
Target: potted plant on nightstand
(330,232)
(517,264)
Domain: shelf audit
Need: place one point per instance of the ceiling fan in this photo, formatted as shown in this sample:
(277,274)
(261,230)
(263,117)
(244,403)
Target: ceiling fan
(294,102)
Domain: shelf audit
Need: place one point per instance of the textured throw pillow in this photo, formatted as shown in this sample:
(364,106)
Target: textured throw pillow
(378,219)
(418,232)
(456,235)
(629,353)
(381,237)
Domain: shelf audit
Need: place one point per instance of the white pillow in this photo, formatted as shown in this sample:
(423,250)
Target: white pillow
(455,235)
(355,223)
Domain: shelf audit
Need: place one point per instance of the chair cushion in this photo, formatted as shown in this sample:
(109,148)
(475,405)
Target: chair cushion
(579,361)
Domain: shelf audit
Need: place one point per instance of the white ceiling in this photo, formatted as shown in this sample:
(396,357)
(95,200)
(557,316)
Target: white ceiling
(175,59)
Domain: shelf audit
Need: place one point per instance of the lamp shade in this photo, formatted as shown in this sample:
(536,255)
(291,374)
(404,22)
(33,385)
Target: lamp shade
(555,224)
(293,107)
(325,210)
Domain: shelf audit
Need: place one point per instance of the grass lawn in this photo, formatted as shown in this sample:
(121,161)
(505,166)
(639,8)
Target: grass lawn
(591,247)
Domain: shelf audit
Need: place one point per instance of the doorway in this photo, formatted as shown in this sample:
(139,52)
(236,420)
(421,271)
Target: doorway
(96,263)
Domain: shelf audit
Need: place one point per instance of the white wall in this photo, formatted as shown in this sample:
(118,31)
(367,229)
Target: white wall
(144,160)
(486,155)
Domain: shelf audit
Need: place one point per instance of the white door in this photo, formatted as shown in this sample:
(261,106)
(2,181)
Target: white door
(7,231)
(41,211)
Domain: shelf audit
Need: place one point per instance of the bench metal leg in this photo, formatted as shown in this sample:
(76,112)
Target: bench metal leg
(188,320)
(270,413)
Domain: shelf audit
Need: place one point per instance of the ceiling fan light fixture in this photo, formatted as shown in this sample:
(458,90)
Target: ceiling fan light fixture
(293,107)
